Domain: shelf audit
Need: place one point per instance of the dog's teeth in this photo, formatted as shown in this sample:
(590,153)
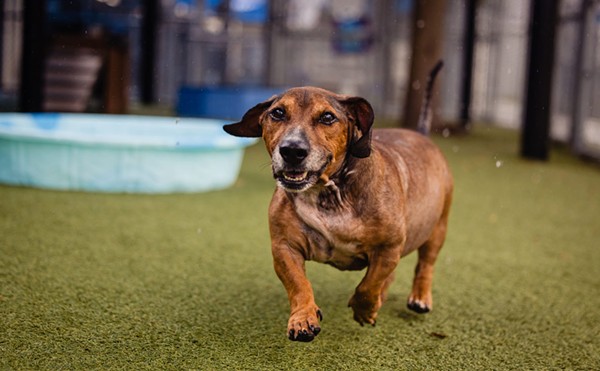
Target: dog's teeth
(295,177)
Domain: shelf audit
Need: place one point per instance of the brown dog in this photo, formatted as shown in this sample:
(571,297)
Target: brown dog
(349,201)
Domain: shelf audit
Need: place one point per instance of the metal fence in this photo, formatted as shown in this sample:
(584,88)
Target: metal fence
(500,70)
(576,108)
(302,43)
(501,49)
(290,52)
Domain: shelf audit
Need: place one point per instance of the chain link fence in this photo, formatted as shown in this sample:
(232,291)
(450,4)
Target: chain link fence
(362,47)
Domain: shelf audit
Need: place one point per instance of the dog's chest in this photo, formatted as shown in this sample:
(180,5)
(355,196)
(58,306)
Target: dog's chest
(338,233)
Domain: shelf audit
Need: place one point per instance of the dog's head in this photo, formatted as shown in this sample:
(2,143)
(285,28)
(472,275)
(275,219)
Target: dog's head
(308,133)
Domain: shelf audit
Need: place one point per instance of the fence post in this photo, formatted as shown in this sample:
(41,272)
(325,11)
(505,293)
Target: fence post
(148,53)
(536,118)
(33,57)
(467,73)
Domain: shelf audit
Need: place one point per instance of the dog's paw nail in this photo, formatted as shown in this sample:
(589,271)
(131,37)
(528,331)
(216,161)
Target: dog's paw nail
(320,314)
(291,334)
(315,330)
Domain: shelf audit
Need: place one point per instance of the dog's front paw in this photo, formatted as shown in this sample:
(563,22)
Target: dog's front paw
(304,324)
(365,308)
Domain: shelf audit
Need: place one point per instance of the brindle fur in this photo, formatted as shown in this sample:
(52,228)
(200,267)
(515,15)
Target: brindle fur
(372,197)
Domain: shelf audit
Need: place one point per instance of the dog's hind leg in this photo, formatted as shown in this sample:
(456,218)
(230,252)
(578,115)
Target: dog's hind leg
(370,293)
(420,299)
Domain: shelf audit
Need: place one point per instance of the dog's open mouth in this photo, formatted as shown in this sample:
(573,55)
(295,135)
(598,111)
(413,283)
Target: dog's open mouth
(296,180)
(300,178)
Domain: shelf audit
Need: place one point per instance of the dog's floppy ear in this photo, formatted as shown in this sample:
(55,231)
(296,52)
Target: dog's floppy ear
(364,115)
(249,125)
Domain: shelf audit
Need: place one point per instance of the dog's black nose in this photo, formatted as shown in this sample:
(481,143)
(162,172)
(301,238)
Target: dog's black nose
(293,152)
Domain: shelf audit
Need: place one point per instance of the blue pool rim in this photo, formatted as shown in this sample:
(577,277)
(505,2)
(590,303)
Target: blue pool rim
(118,153)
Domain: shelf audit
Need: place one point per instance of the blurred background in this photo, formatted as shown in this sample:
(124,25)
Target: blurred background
(167,56)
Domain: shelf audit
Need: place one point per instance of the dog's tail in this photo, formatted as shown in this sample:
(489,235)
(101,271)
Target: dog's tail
(424,124)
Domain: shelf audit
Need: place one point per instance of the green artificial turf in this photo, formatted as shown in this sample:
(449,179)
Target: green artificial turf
(99,281)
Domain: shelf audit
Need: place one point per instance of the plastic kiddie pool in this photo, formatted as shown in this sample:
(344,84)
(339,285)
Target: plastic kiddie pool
(118,153)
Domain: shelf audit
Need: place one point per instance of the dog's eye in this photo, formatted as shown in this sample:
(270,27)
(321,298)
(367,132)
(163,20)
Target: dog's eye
(278,114)
(327,118)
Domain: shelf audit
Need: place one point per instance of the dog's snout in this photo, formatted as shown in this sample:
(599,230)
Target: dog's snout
(293,152)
